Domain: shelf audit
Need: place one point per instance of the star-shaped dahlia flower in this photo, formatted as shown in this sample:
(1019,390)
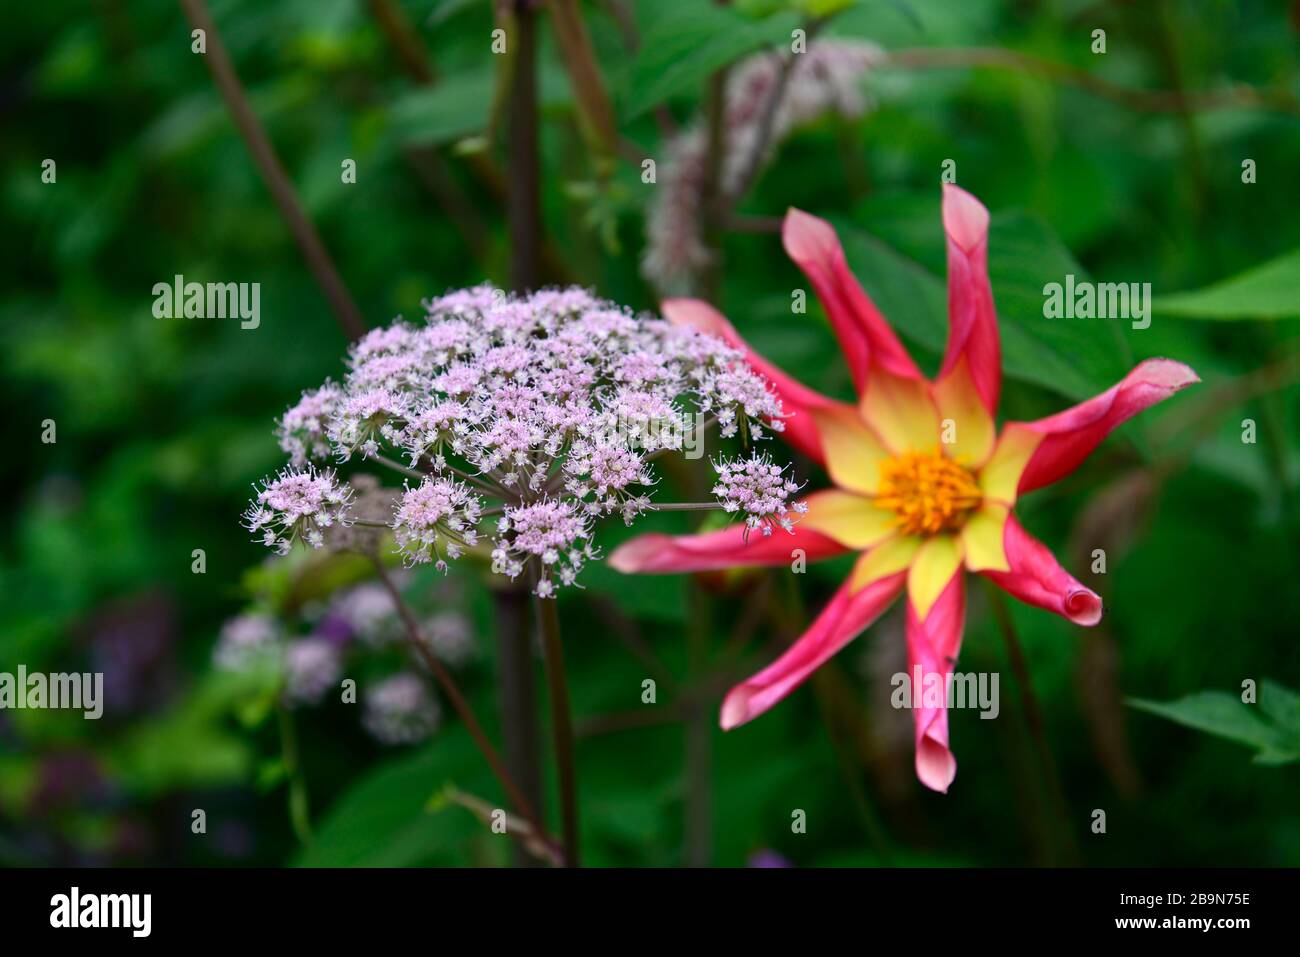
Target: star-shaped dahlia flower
(925,486)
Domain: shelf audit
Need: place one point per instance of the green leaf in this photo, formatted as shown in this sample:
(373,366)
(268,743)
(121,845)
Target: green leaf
(272,774)
(1282,705)
(454,107)
(683,45)
(1076,358)
(1270,291)
(191,745)
(825,8)
(383,821)
(1226,716)
(460,105)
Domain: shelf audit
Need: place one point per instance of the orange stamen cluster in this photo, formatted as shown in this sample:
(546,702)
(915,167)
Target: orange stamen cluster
(927,492)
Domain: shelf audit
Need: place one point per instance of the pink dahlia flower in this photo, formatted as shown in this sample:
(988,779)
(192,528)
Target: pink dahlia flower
(925,485)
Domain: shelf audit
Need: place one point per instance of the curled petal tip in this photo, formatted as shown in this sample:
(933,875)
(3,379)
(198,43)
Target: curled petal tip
(735,709)
(965,219)
(935,765)
(638,554)
(1084,607)
(696,314)
(805,236)
(1169,374)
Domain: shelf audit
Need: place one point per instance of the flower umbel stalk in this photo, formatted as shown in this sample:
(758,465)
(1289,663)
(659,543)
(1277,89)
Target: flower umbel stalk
(518,697)
(1034,722)
(548,623)
(515,422)
(299,808)
(461,706)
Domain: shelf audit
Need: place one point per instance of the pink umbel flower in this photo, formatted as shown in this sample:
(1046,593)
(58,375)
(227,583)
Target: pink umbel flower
(760,490)
(436,520)
(297,505)
(400,709)
(544,409)
(556,533)
(925,486)
(368,612)
(246,640)
(302,430)
(450,636)
(311,667)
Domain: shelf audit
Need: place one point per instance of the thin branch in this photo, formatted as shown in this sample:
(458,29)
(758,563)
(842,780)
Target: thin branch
(682,507)
(697,802)
(401,36)
(626,630)
(548,620)
(622,14)
(435,174)
(596,112)
(1236,97)
(273,174)
(517,694)
(767,123)
(1034,719)
(433,170)
(398,467)
(712,201)
(523,200)
(299,806)
(459,703)
(491,488)
(418,65)
(429,164)
(530,844)
(596,725)
(752,224)
(486,487)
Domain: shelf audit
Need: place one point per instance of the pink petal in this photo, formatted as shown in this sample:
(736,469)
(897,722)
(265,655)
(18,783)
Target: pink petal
(1035,577)
(972,320)
(725,548)
(932,645)
(1070,436)
(796,397)
(846,616)
(864,335)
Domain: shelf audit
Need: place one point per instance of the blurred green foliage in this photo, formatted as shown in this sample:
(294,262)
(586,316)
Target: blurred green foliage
(162,424)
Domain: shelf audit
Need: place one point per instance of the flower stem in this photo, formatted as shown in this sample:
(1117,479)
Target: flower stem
(767,122)
(699,739)
(548,621)
(406,470)
(1034,720)
(682,506)
(1239,96)
(299,807)
(489,488)
(273,175)
(523,202)
(518,696)
(398,467)
(461,706)
(711,199)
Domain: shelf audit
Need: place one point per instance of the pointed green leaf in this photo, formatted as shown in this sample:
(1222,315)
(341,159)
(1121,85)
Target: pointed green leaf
(1270,291)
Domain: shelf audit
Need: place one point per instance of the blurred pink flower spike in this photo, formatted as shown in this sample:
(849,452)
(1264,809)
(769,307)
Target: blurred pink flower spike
(925,485)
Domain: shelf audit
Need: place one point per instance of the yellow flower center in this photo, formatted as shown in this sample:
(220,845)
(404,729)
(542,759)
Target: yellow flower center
(927,492)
